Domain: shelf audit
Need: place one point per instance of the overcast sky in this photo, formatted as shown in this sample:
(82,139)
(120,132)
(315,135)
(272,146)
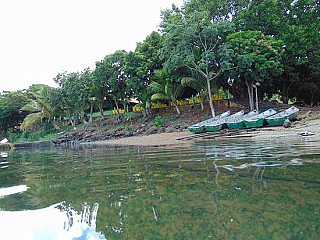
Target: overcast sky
(40,38)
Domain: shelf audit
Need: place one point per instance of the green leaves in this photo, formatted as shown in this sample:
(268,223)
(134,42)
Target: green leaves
(10,109)
(255,56)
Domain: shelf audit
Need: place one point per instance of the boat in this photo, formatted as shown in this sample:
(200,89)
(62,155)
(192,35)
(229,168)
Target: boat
(279,118)
(258,120)
(238,122)
(199,127)
(221,123)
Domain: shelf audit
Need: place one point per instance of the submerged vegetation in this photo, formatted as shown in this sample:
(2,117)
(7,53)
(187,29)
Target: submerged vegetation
(265,48)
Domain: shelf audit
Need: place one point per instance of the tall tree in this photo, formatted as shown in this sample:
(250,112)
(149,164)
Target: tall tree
(197,42)
(217,9)
(76,93)
(140,66)
(111,76)
(256,58)
(296,23)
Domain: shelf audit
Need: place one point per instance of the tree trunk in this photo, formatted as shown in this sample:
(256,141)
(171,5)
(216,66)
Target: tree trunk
(177,109)
(176,106)
(210,98)
(91,113)
(119,119)
(285,93)
(201,104)
(250,94)
(313,98)
(144,112)
(101,110)
(256,96)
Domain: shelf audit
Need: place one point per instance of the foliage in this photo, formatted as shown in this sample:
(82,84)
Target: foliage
(296,23)
(43,133)
(217,9)
(39,108)
(197,42)
(199,46)
(256,58)
(10,109)
(158,121)
(165,88)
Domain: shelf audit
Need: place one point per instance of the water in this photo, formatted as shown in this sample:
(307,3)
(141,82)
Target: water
(227,189)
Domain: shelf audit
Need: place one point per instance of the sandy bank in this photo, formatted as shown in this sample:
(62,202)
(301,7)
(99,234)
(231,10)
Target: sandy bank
(161,139)
(185,137)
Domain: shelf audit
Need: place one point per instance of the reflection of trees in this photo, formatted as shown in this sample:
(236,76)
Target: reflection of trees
(167,193)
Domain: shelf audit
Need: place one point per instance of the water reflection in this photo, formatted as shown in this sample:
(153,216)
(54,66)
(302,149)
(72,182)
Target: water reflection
(59,221)
(213,189)
(3,160)
(12,190)
(292,162)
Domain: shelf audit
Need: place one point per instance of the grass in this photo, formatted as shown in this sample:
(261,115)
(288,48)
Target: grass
(97,114)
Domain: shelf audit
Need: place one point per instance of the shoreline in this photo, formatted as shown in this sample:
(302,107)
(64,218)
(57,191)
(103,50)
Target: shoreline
(185,137)
(154,140)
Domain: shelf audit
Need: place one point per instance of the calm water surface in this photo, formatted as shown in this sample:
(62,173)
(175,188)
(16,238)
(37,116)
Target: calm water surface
(232,189)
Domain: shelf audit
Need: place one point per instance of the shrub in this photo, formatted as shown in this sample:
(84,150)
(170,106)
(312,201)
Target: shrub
(158,121)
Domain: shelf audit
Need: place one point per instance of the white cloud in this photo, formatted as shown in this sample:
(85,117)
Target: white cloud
(39,39)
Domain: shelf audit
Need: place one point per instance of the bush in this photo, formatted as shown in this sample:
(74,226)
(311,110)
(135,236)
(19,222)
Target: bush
(42,133)
(13,136)
(158,121)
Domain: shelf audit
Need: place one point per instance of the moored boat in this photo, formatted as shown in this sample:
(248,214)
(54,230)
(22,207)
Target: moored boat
(238,122)
(279,118)
(221,123)
(258,120)
(200,127)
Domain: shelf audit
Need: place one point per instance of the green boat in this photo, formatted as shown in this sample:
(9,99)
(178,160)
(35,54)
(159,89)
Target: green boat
(258,120)
(217,125)
(238,122)
(200,127)
(279,118)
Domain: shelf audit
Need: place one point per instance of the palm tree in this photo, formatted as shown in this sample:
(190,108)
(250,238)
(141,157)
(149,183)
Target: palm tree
(40,109)
(165,88)
(145,102)
(199,86)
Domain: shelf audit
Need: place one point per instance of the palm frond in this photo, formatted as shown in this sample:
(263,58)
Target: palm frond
(31,107)
(156,87)
(31,120)
(159,96)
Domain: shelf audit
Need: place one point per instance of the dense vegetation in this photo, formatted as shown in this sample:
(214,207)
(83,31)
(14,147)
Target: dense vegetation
(270,44)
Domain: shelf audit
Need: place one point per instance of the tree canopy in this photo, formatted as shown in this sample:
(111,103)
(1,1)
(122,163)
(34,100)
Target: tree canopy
(200,45)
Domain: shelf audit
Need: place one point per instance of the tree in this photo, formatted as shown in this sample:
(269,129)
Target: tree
(140,66)
(138,73)
(111,76)
(197,82)
(217,9)
(10,109)
(76,93)
(39,108)
(296,23)
(197,42)
(165,88)
(256,58)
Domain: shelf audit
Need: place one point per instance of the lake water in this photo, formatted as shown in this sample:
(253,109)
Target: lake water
(227,189)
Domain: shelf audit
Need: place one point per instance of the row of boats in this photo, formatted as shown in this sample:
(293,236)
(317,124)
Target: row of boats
(239,120)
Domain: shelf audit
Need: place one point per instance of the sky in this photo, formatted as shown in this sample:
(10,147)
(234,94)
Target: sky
(41,38)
